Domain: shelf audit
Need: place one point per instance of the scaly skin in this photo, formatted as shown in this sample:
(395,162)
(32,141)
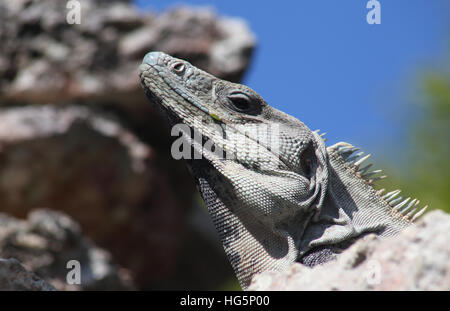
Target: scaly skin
(275,193)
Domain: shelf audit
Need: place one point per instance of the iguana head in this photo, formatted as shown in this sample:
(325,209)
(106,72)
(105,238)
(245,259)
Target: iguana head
(275,193)
(243,137)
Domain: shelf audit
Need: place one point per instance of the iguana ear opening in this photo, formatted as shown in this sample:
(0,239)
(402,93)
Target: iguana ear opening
(307,161)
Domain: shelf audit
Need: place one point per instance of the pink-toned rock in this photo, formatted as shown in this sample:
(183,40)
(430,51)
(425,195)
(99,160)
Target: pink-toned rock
(416,259)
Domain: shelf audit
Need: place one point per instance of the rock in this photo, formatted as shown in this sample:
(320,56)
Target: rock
(45,243)
(13,277)
(92,168)
(416,259)
(98,59)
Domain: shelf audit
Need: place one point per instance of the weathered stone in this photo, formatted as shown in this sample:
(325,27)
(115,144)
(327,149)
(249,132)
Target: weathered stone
(99,173)
(14,277)
(45,243)
(416,259)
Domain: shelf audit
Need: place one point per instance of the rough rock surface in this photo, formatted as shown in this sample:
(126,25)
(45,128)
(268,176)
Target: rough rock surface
(416,259)
(13,276)
(44,244)
(55,60)
(96,171)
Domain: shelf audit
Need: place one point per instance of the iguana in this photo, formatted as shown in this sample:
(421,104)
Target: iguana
(275,193)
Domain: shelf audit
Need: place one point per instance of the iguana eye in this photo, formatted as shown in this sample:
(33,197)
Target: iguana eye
(178,67)
(241,102)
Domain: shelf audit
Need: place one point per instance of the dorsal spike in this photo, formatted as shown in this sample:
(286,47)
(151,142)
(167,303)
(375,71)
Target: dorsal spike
(358,163)
(346,152)
(411,212)
(367,176)
(364,169)
(378,178)
(419,213)
(413,202)
(395,201)
(401,204)
(354,157)
(379,192)
(391,194)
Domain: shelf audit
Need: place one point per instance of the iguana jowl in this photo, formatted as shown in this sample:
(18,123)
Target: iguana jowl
(272,206)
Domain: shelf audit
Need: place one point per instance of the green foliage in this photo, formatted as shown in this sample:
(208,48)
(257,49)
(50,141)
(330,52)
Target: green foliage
(426,174)
(431,144)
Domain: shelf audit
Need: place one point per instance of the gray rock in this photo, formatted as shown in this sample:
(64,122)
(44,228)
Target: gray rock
(45,243)
(57,61)
(14,277)
(416,259)
(89,166)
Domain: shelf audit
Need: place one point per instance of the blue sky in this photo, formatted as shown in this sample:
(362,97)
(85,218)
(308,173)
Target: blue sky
(321,62)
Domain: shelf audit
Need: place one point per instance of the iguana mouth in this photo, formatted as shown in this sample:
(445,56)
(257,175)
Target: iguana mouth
(155,63)
(185,94)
